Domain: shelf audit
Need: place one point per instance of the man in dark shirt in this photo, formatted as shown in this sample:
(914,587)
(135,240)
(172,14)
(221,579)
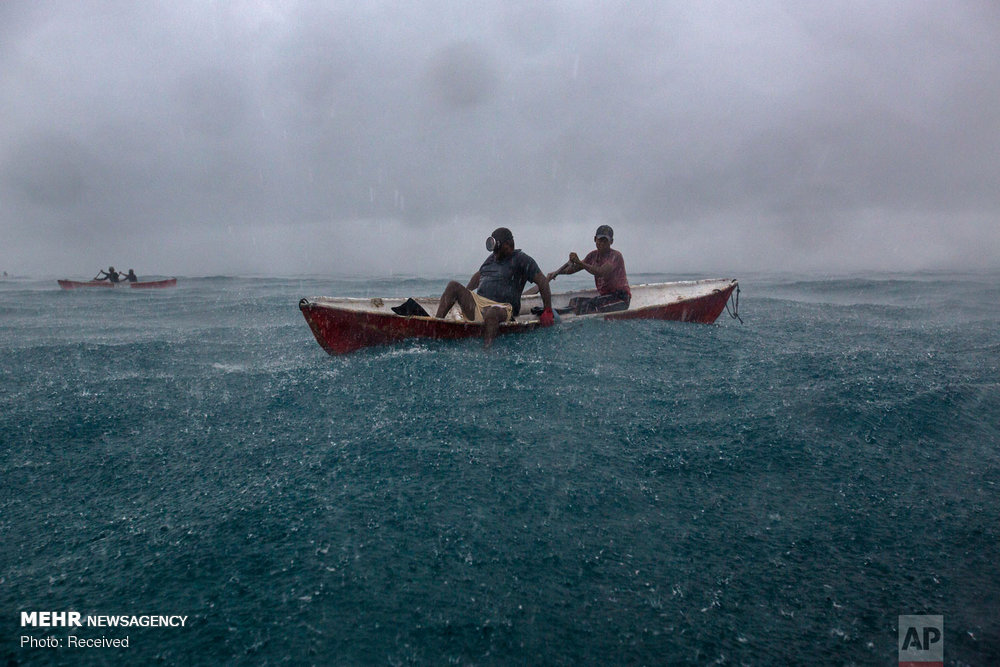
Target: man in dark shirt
(498,284)
(110,274)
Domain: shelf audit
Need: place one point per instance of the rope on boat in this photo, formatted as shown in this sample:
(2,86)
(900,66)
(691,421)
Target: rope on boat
(734,298)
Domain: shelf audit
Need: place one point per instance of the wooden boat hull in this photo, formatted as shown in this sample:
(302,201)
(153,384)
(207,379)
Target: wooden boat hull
(340,331)
(343,325)
(147,284)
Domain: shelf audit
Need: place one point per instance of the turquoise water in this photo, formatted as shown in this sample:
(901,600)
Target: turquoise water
(645,492)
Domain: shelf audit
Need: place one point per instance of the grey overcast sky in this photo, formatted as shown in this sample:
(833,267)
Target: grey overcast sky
(368,138)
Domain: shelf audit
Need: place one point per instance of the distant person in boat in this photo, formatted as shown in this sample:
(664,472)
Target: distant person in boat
(498,285)
(110,274)
(131,277)
(608,268)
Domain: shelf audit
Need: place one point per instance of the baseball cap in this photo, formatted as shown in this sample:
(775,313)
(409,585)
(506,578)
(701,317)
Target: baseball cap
(606,232)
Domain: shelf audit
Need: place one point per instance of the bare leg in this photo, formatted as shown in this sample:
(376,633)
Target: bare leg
(492,317)
(454,293)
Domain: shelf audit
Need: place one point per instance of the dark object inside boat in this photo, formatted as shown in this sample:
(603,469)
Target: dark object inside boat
(410,308)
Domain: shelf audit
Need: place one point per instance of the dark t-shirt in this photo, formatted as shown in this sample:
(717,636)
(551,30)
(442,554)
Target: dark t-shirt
(504,280)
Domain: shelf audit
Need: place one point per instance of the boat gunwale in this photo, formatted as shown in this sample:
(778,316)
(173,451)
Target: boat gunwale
(525,317)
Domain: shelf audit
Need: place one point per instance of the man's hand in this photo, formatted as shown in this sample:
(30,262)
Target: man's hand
(547,318)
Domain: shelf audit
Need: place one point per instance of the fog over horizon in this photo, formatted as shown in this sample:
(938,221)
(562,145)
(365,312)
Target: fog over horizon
(375,138)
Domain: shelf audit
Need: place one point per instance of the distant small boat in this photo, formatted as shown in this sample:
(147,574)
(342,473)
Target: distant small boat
(343,325)
(143,284)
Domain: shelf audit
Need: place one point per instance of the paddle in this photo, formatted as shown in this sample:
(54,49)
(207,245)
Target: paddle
(534,290)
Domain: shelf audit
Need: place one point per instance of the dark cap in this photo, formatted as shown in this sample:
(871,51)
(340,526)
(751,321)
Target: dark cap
(605,231)
(502,234)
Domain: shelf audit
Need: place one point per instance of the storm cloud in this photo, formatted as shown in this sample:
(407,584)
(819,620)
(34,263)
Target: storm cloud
(189,137)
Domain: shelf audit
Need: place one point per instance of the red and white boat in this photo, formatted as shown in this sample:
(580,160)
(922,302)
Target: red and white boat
(343,325)
(142,284)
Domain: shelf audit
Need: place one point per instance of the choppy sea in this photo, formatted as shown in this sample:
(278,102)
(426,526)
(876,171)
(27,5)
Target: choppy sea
(773,492)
